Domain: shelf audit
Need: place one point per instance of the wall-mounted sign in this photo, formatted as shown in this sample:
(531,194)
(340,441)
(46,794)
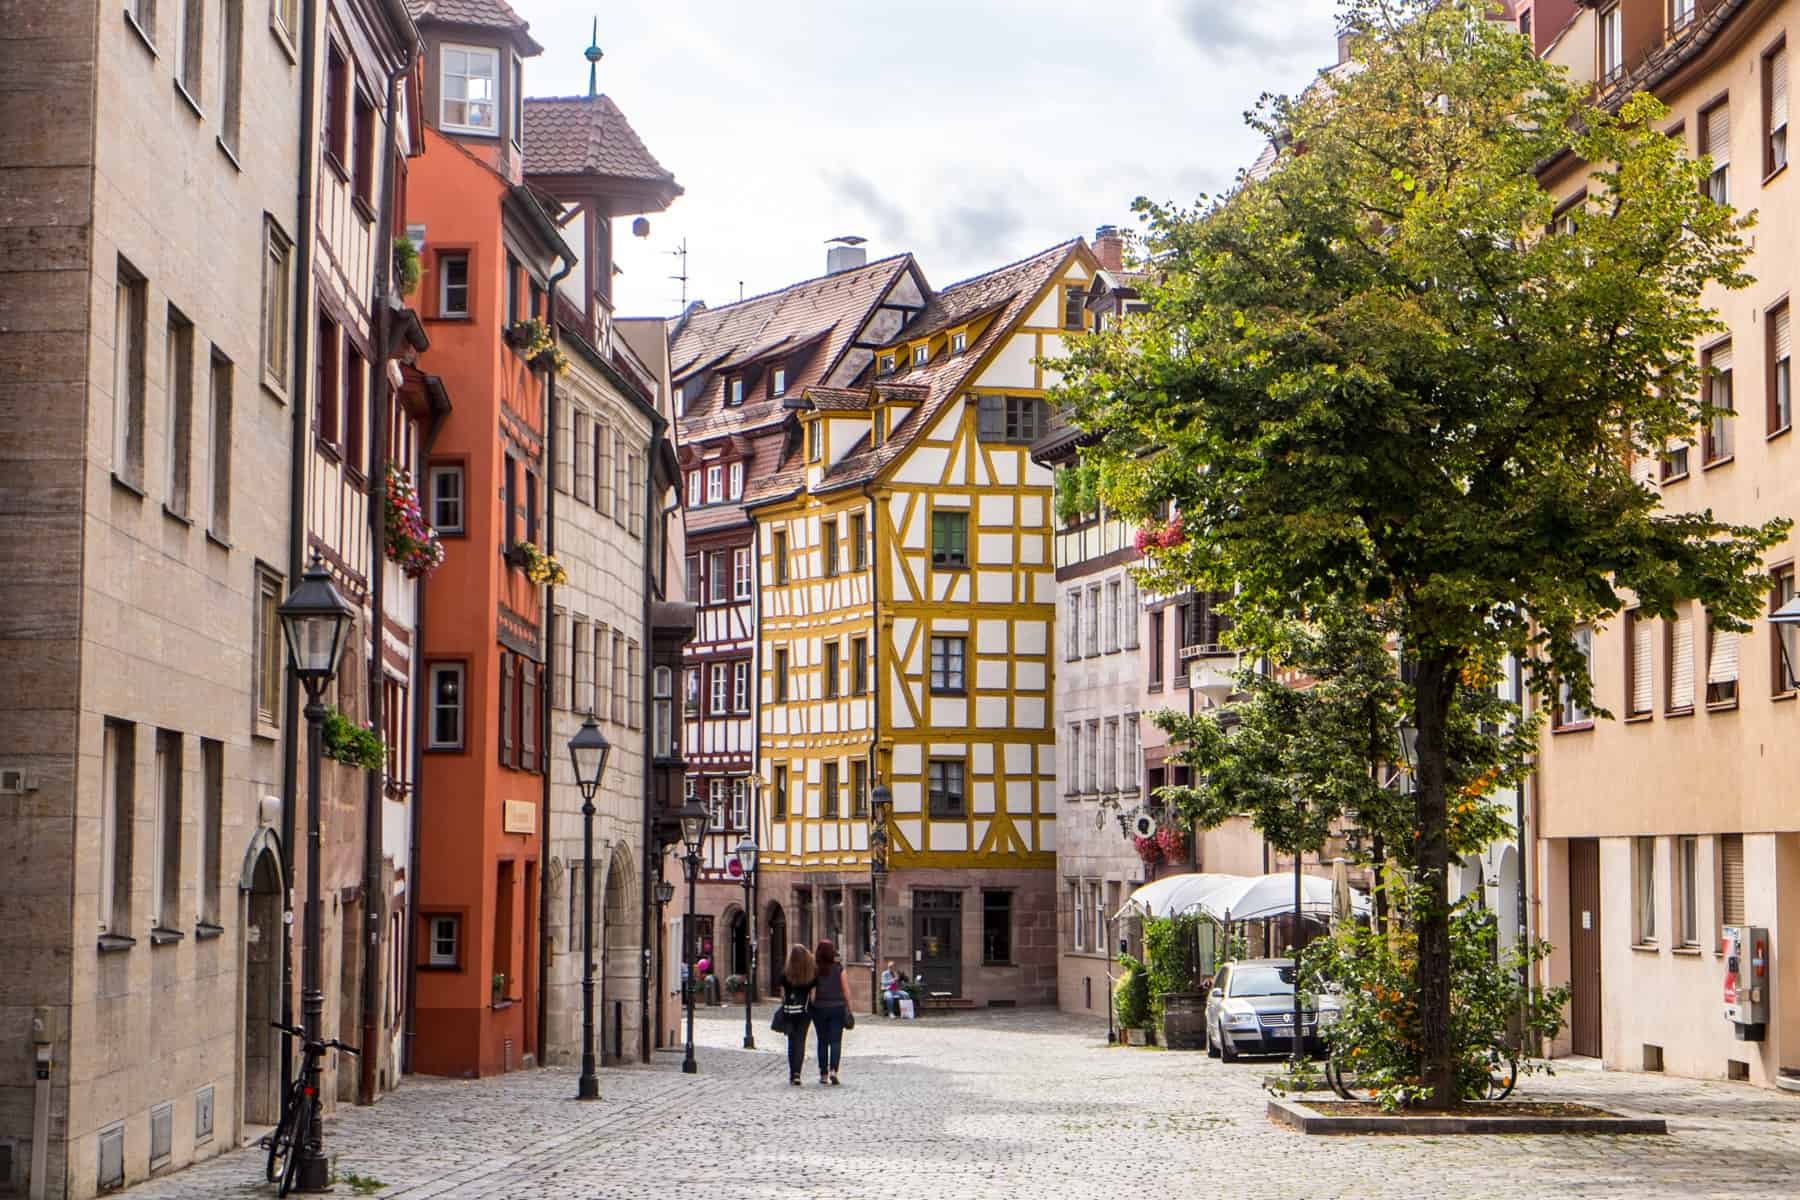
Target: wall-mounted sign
(519,816)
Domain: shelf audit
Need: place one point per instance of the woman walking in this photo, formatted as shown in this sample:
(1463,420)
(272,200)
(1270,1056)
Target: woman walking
(831,1010)
(798,978)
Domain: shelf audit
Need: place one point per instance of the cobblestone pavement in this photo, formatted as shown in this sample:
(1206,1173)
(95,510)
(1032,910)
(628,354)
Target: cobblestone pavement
(998,1104)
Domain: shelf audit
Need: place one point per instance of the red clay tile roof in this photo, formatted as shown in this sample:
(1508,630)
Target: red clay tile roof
(488,14)
(575,135)
(813,321)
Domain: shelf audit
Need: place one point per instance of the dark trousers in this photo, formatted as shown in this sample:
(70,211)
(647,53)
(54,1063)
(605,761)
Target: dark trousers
(828,1020)
(796,1036)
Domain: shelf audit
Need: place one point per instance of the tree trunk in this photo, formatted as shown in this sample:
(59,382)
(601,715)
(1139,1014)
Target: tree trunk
(1432,691)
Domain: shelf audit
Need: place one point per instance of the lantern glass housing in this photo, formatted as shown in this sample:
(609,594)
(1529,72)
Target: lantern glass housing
(315,623)
(588,750)
(746,855)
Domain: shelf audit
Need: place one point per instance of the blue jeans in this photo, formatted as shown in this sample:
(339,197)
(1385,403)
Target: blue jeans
(828,1022)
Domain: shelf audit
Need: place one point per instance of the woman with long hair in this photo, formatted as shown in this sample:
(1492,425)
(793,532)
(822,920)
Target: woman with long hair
(798,978)
(831,1010)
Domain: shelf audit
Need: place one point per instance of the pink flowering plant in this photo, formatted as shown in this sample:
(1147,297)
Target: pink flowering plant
(411,541)
(1166,536)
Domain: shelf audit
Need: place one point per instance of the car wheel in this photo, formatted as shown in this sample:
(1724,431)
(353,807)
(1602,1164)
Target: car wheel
(1227,1051)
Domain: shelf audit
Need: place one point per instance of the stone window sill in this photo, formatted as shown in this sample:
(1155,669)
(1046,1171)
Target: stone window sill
(206,931)
(161,935)
(112,943)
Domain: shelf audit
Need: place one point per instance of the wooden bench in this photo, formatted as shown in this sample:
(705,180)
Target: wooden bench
(944,1002)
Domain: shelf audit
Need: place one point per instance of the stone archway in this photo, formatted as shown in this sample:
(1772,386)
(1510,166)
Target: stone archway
(620,959)
(262,934)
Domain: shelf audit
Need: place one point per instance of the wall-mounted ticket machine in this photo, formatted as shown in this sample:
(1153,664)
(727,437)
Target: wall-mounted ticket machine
(1747,980)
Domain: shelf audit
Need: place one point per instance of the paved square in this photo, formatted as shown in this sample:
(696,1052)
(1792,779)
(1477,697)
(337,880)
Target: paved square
(1023,1105)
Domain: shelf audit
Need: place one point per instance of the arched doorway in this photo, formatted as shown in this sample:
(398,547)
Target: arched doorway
(777,926)
(1506,902)
(263,933)
(738,927)
(619,962)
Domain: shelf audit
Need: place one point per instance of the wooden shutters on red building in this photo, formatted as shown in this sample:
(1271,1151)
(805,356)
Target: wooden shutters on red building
(507,742)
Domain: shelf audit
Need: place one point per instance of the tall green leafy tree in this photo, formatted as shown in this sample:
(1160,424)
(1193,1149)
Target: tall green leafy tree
(1370,375)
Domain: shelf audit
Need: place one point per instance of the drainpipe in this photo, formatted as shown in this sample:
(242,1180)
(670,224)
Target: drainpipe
(658,426)
(415,815)
(375,897)
(546,688)
(298,403)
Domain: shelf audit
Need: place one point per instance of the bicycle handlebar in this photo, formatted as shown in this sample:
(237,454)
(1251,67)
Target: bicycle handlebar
(328,1044)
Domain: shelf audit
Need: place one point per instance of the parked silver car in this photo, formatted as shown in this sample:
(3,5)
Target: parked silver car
(1250,1010)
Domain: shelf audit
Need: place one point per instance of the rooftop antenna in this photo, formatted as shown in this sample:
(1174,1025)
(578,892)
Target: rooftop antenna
(681,253)
(594,54)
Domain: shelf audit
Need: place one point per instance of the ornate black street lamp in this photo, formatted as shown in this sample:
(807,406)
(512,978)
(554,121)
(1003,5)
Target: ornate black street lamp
(881,807)
(315,624)
(746,860)
(588,750)
(693,828)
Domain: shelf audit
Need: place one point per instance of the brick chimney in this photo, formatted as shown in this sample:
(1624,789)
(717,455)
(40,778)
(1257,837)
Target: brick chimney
(1109,248)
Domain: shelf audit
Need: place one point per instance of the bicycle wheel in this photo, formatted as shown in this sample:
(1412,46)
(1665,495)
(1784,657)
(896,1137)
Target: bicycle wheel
(1341,1082)
(291,1168)
(1502,1073)
(281,1139)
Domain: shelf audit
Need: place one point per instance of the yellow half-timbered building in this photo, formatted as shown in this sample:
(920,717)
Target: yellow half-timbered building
(906,606)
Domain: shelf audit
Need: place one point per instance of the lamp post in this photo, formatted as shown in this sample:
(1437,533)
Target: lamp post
(746,859)
(588,751)
(881,806)
(664,892)
(315,624)
(693,828)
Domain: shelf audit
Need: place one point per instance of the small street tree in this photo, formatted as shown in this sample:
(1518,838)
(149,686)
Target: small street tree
(1371,376)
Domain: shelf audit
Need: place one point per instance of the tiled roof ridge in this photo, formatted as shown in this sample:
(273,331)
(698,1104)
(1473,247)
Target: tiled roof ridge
(1060,248)
(703,313)
(500,14)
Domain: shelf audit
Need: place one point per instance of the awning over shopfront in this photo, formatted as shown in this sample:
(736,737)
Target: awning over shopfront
(1236,897)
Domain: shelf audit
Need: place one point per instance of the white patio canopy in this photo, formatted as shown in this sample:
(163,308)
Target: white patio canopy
(1236,897)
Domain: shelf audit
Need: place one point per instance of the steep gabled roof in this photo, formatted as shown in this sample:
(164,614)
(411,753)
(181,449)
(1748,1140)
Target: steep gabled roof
(811,324)
(484,14)
(588,135)
(1007,292)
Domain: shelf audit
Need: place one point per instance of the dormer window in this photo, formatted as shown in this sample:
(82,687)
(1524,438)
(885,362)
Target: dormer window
(815,440)
(693,489)
(715,484)
(468,87)
(921,354)
(734,391)
(887,364)
(736,491)
(778,382)
(876,420)
(959,341)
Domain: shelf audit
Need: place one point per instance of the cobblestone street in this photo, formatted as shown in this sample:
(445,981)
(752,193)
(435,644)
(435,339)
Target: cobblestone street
(998,1104)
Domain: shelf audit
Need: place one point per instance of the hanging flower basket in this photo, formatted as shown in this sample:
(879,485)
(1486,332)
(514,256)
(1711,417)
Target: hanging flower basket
(411,541)
(539,567)
(1160,537)
(532,339)
(343,740)
(1147,850)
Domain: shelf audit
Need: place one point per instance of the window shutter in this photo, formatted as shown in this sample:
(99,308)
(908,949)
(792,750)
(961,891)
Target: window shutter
(1681,664)
(1731,872)
(991,417)
(1642,694)
(1778,99)
(1718,135)
(1722,666)
(1720,359)
(1783,338)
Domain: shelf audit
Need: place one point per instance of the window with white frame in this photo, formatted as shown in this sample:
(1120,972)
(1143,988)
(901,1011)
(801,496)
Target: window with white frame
(740,802)
(778,381)
(740,686)
(1097,903)
(1072,768)
(736,489)
(662,712)
(741,567)
(1570,710)
(1093,620)
(468,88)
(446,488)
(1072,619)
(1109,777)
(1687,891)
(1130,605)
(721,688)
(715,484)
(1093,758)
(1715,141)
(947,659)
(1134,755)
(1721,664)
(695,483)
(1716,374)
(1612,57)
(446,730)
(1643,870)
(445,941)
(453,285)
(1775,108)
(1078,934)
(1114,616)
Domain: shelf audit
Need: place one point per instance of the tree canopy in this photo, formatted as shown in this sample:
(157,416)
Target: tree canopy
(1372,375)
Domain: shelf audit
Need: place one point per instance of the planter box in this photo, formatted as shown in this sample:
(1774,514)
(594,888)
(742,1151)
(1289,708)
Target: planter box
(1306,1119)
(1139,1037)
(1184,1020)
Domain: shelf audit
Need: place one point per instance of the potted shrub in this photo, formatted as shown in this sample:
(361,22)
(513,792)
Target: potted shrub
(499,986)
(343,740)
(734,987)
(1131,1003)
(406,265)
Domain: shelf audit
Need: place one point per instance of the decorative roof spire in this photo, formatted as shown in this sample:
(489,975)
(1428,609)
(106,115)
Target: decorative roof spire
(594,54)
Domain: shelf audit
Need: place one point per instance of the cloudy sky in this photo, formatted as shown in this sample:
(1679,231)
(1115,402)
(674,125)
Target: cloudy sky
(971,132)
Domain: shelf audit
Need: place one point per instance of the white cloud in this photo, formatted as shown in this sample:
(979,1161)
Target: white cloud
(971,132)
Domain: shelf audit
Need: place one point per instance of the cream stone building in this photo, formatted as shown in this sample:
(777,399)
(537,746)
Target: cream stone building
(149,413)
(1659,828)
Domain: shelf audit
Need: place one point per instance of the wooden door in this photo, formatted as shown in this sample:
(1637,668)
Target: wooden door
(1584,946)
(937,942)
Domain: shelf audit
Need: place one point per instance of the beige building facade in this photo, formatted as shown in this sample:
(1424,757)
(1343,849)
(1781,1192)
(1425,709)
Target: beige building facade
(1661,827)
(148,406)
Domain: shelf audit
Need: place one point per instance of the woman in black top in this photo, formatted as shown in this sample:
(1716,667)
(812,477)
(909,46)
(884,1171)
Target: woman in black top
(798,978)
(831,1010)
